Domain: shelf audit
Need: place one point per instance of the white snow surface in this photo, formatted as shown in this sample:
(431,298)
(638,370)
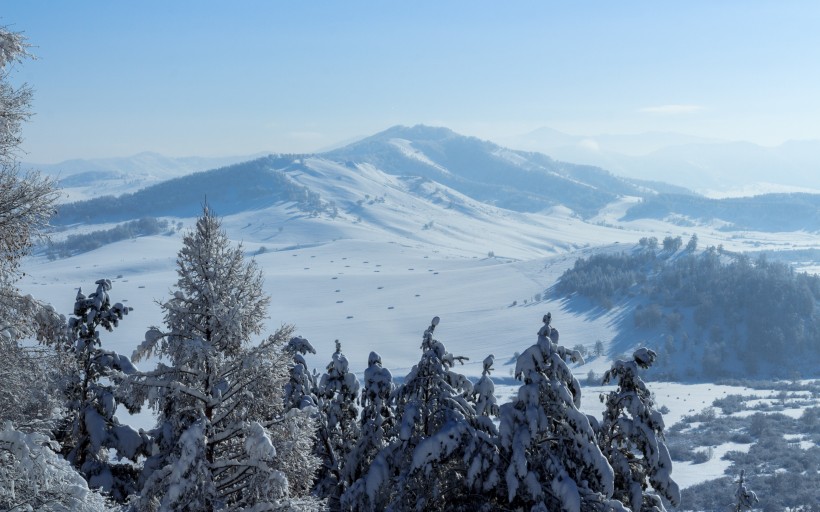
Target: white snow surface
(374,276)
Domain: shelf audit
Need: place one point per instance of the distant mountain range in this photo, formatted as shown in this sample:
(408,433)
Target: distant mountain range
(705,165)
(417,161)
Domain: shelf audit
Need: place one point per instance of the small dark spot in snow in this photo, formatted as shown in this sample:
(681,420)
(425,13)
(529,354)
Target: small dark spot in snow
(389,307)
(365,262)
(141,286)
(349,317)
(313,256)
(411,269)
(377,271)
(380,287)
(307,268)
(417,295)
(435,273)
(337,291)
(334,277)
(339,301)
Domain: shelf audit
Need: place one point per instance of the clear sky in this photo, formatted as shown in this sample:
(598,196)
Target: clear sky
(208,78)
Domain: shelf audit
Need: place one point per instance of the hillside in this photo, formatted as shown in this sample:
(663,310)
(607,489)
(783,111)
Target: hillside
(709,314)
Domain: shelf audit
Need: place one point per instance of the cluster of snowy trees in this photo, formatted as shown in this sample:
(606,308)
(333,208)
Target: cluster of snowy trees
(244,424)
(741,308)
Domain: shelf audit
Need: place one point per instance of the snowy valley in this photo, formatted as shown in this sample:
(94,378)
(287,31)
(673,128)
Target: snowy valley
(365,244)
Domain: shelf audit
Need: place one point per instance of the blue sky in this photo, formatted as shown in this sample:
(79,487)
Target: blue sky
(232,78)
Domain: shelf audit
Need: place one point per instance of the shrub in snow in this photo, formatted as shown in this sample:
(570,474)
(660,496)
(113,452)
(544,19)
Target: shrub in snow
(223,439)
(632,426)
(552,459)
(33,477)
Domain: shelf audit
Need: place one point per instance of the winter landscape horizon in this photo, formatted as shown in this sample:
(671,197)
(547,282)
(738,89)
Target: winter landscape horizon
(534,259)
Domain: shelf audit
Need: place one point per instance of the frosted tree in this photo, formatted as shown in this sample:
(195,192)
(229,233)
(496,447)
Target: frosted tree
(631,438)
(223,439)
(300,391)
(554,462)
(26,203)
(338,430)
(426,465)
(376,424)
(90,396)
(34,477)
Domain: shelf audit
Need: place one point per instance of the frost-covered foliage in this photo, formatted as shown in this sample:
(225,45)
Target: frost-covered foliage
(223,440)
(90,395)
(338,430)
(746,499)
(26,200)
(553,460)
(632,426)
(430,462)
(300,391)
(34,477)
(26,203)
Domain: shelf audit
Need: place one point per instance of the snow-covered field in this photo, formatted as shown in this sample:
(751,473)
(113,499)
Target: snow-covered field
(374,278)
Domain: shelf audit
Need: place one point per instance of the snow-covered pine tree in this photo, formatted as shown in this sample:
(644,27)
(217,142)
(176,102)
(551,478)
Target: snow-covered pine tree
(300,391)
(338,430)
(426,467)
(377,422)
(223,439)
(89,390)
(631,438)
(554,462)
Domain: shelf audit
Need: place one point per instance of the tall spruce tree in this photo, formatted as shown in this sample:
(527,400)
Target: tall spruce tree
(223,440)
(632,426)
(90,395)
(553,460)
(428,463)
(338,429)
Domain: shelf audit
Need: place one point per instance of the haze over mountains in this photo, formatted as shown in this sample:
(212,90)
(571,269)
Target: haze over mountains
(715,167)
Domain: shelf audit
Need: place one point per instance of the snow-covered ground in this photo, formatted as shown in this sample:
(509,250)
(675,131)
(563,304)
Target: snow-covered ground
(374,277)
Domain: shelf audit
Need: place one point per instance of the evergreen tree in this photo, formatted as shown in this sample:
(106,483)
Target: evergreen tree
(427,465)
(223,439)
(90,394)
(377,422)
(554,462)
(631,425)
(300,391)
(338,429)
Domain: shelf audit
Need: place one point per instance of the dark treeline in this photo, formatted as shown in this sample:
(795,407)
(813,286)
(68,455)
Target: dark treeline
(78,244)
(740,308)
(769,212)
